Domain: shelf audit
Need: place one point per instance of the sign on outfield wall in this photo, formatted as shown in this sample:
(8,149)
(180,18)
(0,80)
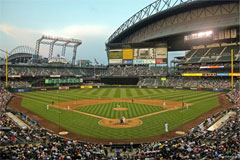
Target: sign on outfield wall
(192,74)
(127,61)
(144,53)
(222,74)
(234,74)
(127,53)
(115,61)
(138,61)
(211,67)
(161,61)
(63,88)
(161,53)
(65,80)
(115,54)
(209,74)
(149,61)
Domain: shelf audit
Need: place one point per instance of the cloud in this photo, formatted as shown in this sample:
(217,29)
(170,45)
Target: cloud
(20,35)
(84,31)
(93,37)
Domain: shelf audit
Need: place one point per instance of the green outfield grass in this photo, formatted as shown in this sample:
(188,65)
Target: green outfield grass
(86,125)
(106,110)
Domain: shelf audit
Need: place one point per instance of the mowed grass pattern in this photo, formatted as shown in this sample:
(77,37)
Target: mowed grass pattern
(106,110)
(88,126)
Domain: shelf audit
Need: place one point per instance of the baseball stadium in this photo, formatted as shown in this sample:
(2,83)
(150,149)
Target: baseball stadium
(142,104)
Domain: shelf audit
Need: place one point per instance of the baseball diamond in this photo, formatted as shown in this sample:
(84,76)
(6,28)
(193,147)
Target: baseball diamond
(87,111)
(164,85)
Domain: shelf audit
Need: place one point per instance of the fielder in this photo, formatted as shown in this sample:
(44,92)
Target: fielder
(166,127)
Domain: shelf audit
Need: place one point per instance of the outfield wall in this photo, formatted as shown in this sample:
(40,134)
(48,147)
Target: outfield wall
(117,86)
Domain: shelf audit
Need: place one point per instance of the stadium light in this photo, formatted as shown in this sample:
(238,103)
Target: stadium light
(204,34)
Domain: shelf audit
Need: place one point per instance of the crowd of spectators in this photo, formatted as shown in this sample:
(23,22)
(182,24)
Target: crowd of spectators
(187,82)
(234,94)
(34,142)
(202,83)
(42,71)
(136,71)
(19,84)
(54,147)
(4,98)
(199,143)
(223,143)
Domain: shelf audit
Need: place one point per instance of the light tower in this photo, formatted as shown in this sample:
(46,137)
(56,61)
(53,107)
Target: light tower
(54,41)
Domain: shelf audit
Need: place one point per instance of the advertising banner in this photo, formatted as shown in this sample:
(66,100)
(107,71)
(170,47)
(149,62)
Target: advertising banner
(127,53)
(193,88)
(144,53)
(65,80)
(115,61)
(115,54)
(178,87)
(163,79)
(222,74)
(218,90)
(127,61)
(192,74)
(161,61)
(63,88)
(161,52)
(234,74)
(212,67)
(55,76)
(138,61)
(209,74)
(149,61)
(21,90)
(14,76)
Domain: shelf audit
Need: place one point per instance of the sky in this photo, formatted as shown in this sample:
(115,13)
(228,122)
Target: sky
(22,22)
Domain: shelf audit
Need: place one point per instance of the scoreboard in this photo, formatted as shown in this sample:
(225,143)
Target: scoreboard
(65,80)
(138,56)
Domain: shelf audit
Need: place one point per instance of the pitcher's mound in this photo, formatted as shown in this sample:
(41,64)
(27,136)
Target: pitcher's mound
(114,123)
(120,109)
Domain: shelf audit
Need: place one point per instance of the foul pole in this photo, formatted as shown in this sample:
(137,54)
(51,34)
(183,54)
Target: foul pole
(6,68)
(232,67)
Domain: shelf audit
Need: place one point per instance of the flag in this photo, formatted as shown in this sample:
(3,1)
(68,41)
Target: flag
(96,62)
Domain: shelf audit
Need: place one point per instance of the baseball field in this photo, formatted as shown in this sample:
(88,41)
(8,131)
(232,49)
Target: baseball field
(95,113)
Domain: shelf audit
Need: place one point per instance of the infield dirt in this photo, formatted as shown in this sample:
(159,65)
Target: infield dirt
(113,123)
(15,104)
